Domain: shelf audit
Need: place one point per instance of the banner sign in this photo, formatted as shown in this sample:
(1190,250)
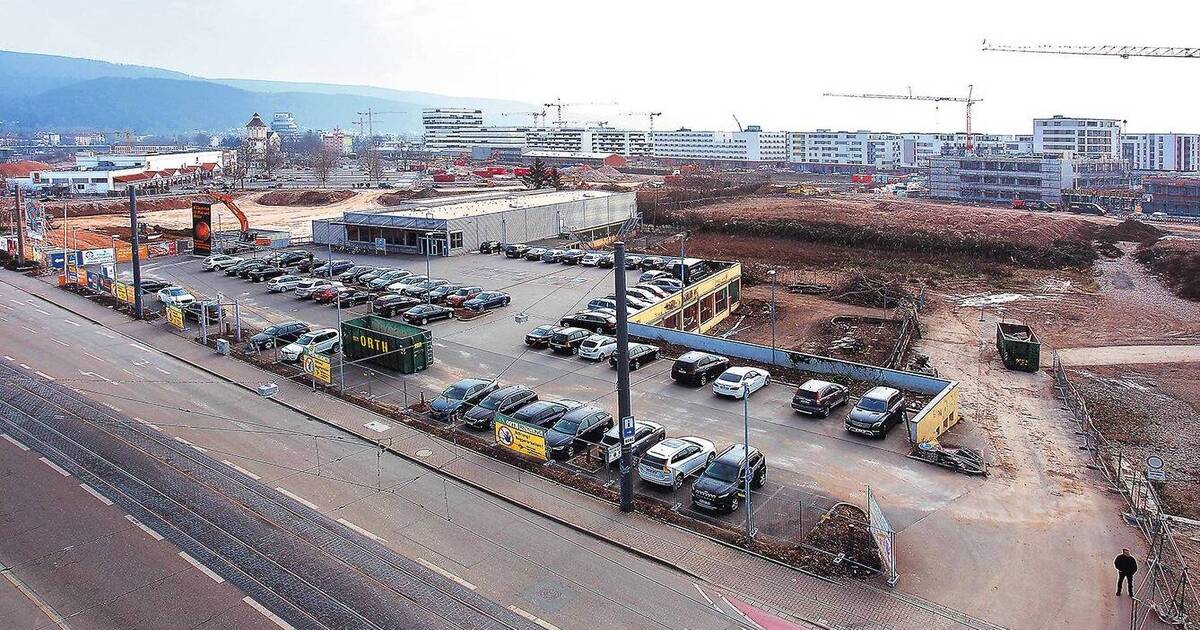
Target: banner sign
(175,316)
(35,220)
(317,365)
(528,440)
(104,256)
(154,250)
(201,228)
(123,292)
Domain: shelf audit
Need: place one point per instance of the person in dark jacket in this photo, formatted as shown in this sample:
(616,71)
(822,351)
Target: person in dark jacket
(1126,567)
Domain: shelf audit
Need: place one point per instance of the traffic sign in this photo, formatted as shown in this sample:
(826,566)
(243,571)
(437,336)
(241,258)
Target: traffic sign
(627,429)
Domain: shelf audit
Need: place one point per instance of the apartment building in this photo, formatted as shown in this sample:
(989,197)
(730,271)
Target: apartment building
(1172,195)
(751,145)
(1002,178)
(1178,152)
(588,140)
(1092,137)
(443,126)
(918,148)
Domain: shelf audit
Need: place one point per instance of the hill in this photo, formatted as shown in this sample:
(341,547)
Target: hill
(27,74)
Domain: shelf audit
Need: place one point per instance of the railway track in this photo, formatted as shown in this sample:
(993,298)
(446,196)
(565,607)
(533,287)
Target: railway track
(305,567)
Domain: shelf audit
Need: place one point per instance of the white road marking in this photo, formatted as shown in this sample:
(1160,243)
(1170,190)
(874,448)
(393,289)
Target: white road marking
(530,616)
(141,347)
(149,424)
(92,491)
(268,614)
(30,330)
(100,332)
(5,306)
(739,611)
(25,366)
(17,302)
(99,376)
(161,370)
(361,530)
(706,597)
(240,469)
(112,406)
(444,573)
(100,359)
(298,498)
(9,358)
(71,322)
(46,313)
(56,467)
(203,569)
(128,372)
(183,441)
(43,375)
(14,441)
(144,527)
(61,343)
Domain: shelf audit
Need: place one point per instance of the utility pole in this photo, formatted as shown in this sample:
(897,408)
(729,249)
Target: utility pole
(136,260)
(20,228)
(772,274)
(624,413)
(746,460)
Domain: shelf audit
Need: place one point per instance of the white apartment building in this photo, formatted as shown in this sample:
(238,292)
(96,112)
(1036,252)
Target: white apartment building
(1178,152)
(603,140)
(1092,137)
(918,148)
(751,145)
(442,126)
(851,148)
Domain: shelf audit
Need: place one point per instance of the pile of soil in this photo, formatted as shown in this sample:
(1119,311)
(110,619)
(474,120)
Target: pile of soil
(1130,231)
(306,198)
(120,205)
(1177,264)
(401,196)
(840,545)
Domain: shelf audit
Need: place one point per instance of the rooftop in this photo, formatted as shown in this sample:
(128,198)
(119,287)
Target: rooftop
(488,203)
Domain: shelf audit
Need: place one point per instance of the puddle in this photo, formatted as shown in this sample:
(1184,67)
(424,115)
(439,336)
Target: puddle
(990,299)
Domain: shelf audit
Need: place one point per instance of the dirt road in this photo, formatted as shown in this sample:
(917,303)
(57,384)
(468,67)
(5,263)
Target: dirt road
(1123,355)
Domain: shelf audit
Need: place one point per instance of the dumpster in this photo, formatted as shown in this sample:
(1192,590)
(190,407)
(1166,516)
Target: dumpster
(1019,347)
(387,343)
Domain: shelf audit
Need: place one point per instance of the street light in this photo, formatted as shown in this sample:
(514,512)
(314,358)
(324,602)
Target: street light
(746,458)
(772,274)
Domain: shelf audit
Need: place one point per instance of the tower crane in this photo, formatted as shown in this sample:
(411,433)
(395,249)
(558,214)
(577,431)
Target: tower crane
(558,106)
(968,100)
(1123,52)
(534,115)
(371,114)
(650,116)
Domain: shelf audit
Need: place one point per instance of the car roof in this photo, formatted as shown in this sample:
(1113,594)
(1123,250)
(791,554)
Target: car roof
(735,453)
(814,384)
(580,412)
(569,330)
(739,370)
(695,355)
(322,330)
(881,393)
(470,382)
(668,447)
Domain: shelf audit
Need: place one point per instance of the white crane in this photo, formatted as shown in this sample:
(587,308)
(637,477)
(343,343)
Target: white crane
(558,106)
(1123,52)
(969,100)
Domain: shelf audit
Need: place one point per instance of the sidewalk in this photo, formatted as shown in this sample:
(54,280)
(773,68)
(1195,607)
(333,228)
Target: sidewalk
(775,588)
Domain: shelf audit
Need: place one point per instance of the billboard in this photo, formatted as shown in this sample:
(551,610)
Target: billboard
(175,316)
(317,366)
(103,256)
(201,228)
(35,220)
(528,440)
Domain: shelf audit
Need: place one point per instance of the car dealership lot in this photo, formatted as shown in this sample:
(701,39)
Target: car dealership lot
(814,460)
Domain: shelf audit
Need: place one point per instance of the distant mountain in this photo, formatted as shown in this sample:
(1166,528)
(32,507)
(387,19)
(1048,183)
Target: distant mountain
(65,93)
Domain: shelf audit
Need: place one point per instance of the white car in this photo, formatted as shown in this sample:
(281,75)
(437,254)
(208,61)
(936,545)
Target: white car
(590,260)
(740,382)
(322,340)
(283,284)
(306,288)
(598,347)
(642,294)
(224,263)
(175,296)
(211,260)
(672,460)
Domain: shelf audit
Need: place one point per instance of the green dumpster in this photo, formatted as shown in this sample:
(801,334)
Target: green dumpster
(387,343)
(1019,348)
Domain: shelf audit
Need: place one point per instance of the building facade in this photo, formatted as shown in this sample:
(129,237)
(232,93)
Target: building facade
(105,174)
(284,124)
(1173,196)
(751,145)
(1178,152)
(1033,177)
(441,126)
(1091,137)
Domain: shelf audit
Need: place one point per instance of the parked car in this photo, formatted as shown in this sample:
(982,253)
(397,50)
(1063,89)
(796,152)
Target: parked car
(818,398)
(368,279)
(153,285)
(403,283)
(389,304)
(653,274)
(461,295)
(438,295)
(325,295)
(291,259)
(540,337)
(308,263)
(515,250)
(210,309)
(219,261)
(505,400)
(544,413)
(276,334)
(348,297)
(246,270)
(459,397)
(591,260)
(552,255)
(266,273)
(740,382)
(644,295)
(722,485)
(672,285)
(424,313)
(332,268)
(572,256)
(421,289)
(281,284)
(645,435)
(575,430)
(310,287)
(534,253)
(175,296)
(598,347)
(387,278)
(654,290)
(354,272)
(234,270)
(880,409)
(639,355)
(489,247)
(323,340)
(606,261)
(567,340)
(651,262)
(673,460)
(487,301)
(633,261)
(599,303)
(592,320)
(698,368)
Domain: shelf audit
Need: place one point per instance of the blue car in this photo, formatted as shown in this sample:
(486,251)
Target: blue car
(488,300)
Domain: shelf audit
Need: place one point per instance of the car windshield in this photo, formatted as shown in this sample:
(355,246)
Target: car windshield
(304,339)
(456,392)
(176,291)
(654,460)
(566,425)
(490,403)
(730,377)
(806,394)
(872,404)
(722,471)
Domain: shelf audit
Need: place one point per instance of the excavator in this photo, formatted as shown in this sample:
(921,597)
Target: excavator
(227,199)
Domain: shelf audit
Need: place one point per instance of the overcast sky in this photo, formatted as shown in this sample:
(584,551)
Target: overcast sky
(697,62)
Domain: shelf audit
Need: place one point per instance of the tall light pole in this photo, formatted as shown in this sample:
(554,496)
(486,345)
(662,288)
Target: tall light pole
(136,261)
(772,274)
(113,238)
(624,411)
(746,459)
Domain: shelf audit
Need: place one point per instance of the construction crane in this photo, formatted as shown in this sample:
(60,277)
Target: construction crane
(737,122)
(558,106)
(1124,52)
(534,115)
(649,115)
(371,114)
(237,212)
(969,100)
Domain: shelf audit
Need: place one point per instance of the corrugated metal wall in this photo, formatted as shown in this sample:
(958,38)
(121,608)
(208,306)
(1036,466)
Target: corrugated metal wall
(327,233)
(531,224)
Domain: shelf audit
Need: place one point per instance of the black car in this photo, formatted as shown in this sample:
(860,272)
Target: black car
(266,273)
(354,272)
(437,295)
(332,268)
(424,313)
(211,309)
(602,323)
(308,262)
(567,340)
(645,435)
(236,269)
(544,413)
(606,261)
(351,297)
(459,397)
(576,429)
(818,398)
(723,483)
(540,337)
(698,368)
(505,400)
(572,256)
(278,335)
(389,304)
(153,285)
(489,247)
(880,409)
(639,355)
(291,259)
(651,262)
(244,272)
(516,250)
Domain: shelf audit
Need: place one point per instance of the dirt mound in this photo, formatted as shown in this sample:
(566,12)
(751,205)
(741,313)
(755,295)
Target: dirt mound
(120,205)
(1130,231)
(401,196)
(304,197)
(1177,263)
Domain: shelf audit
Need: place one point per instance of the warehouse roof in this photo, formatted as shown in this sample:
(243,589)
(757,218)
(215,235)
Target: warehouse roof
(476,205)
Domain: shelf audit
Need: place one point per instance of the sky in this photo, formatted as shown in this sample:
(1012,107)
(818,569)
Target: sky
(700,63)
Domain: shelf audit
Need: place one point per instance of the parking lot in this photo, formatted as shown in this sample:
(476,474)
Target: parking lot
(813,462)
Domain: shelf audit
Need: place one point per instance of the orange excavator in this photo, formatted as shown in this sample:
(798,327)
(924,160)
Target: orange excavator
(237,212)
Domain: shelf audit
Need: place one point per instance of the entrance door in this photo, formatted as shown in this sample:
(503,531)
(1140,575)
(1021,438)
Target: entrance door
(433,244)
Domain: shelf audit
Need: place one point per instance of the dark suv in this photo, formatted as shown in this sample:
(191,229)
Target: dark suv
(818,398)
(877,411)
(576,429)
(278,334)
(600,322)
(723,483)
(504,400)
(516,250)
(544,413)
(567,340)
(698,368)
(460,397)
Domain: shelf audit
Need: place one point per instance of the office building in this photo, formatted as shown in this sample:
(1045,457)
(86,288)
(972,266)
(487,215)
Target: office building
(717,147)
(1178,152)
(1002,178)
(1091,137)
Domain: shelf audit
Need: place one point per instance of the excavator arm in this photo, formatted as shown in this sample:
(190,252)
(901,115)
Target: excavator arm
(229,203)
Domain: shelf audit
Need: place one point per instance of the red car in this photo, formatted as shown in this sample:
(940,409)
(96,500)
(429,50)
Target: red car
(327,294)
(457,298)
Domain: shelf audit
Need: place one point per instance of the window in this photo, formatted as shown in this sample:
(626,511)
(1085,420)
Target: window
(722,300)
(456,240)
(706,307)
(735,291)
(689,317)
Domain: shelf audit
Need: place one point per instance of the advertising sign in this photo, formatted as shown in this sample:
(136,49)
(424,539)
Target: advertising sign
(35,220)
(98,256)
(317,365)
(525,439)
(123,292)
(154,250)
(201,228)
(175,316)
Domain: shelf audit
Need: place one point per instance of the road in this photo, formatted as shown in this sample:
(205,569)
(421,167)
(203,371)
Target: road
(509,556)
(1125,355)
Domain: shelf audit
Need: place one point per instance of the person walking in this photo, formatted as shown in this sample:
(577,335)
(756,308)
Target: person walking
(1126,567)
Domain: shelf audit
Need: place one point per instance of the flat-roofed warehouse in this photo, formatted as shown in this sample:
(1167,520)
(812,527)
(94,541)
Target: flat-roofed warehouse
(459,224)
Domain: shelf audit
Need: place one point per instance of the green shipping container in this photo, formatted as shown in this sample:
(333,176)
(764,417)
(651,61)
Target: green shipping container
(387,343)
(1019,347)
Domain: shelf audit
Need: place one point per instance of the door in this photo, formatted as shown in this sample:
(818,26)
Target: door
(432,244)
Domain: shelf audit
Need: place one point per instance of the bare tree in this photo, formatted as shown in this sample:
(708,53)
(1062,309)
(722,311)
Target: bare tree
(272,158)
(372,163)
(322,163)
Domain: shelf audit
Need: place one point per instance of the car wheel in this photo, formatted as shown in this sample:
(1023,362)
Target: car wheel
(599,330)
(703,379)
(424,321)
(760,478)
(337,347)
(824,413)
(677,481)
(733,504)
(574,349)
(633,365)
(571,452)
(711,457)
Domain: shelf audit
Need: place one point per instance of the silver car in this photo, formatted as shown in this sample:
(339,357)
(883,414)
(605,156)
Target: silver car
(672,460)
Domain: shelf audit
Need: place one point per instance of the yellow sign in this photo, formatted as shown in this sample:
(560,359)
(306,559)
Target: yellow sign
(318,366)
(525,439)
(123,292)
(175,316)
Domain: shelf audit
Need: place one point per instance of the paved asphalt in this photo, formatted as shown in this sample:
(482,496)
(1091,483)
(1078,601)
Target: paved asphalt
(511,557)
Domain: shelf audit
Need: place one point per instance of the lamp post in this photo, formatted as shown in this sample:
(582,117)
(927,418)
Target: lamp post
(113,238)
(746,459)
(772,274)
